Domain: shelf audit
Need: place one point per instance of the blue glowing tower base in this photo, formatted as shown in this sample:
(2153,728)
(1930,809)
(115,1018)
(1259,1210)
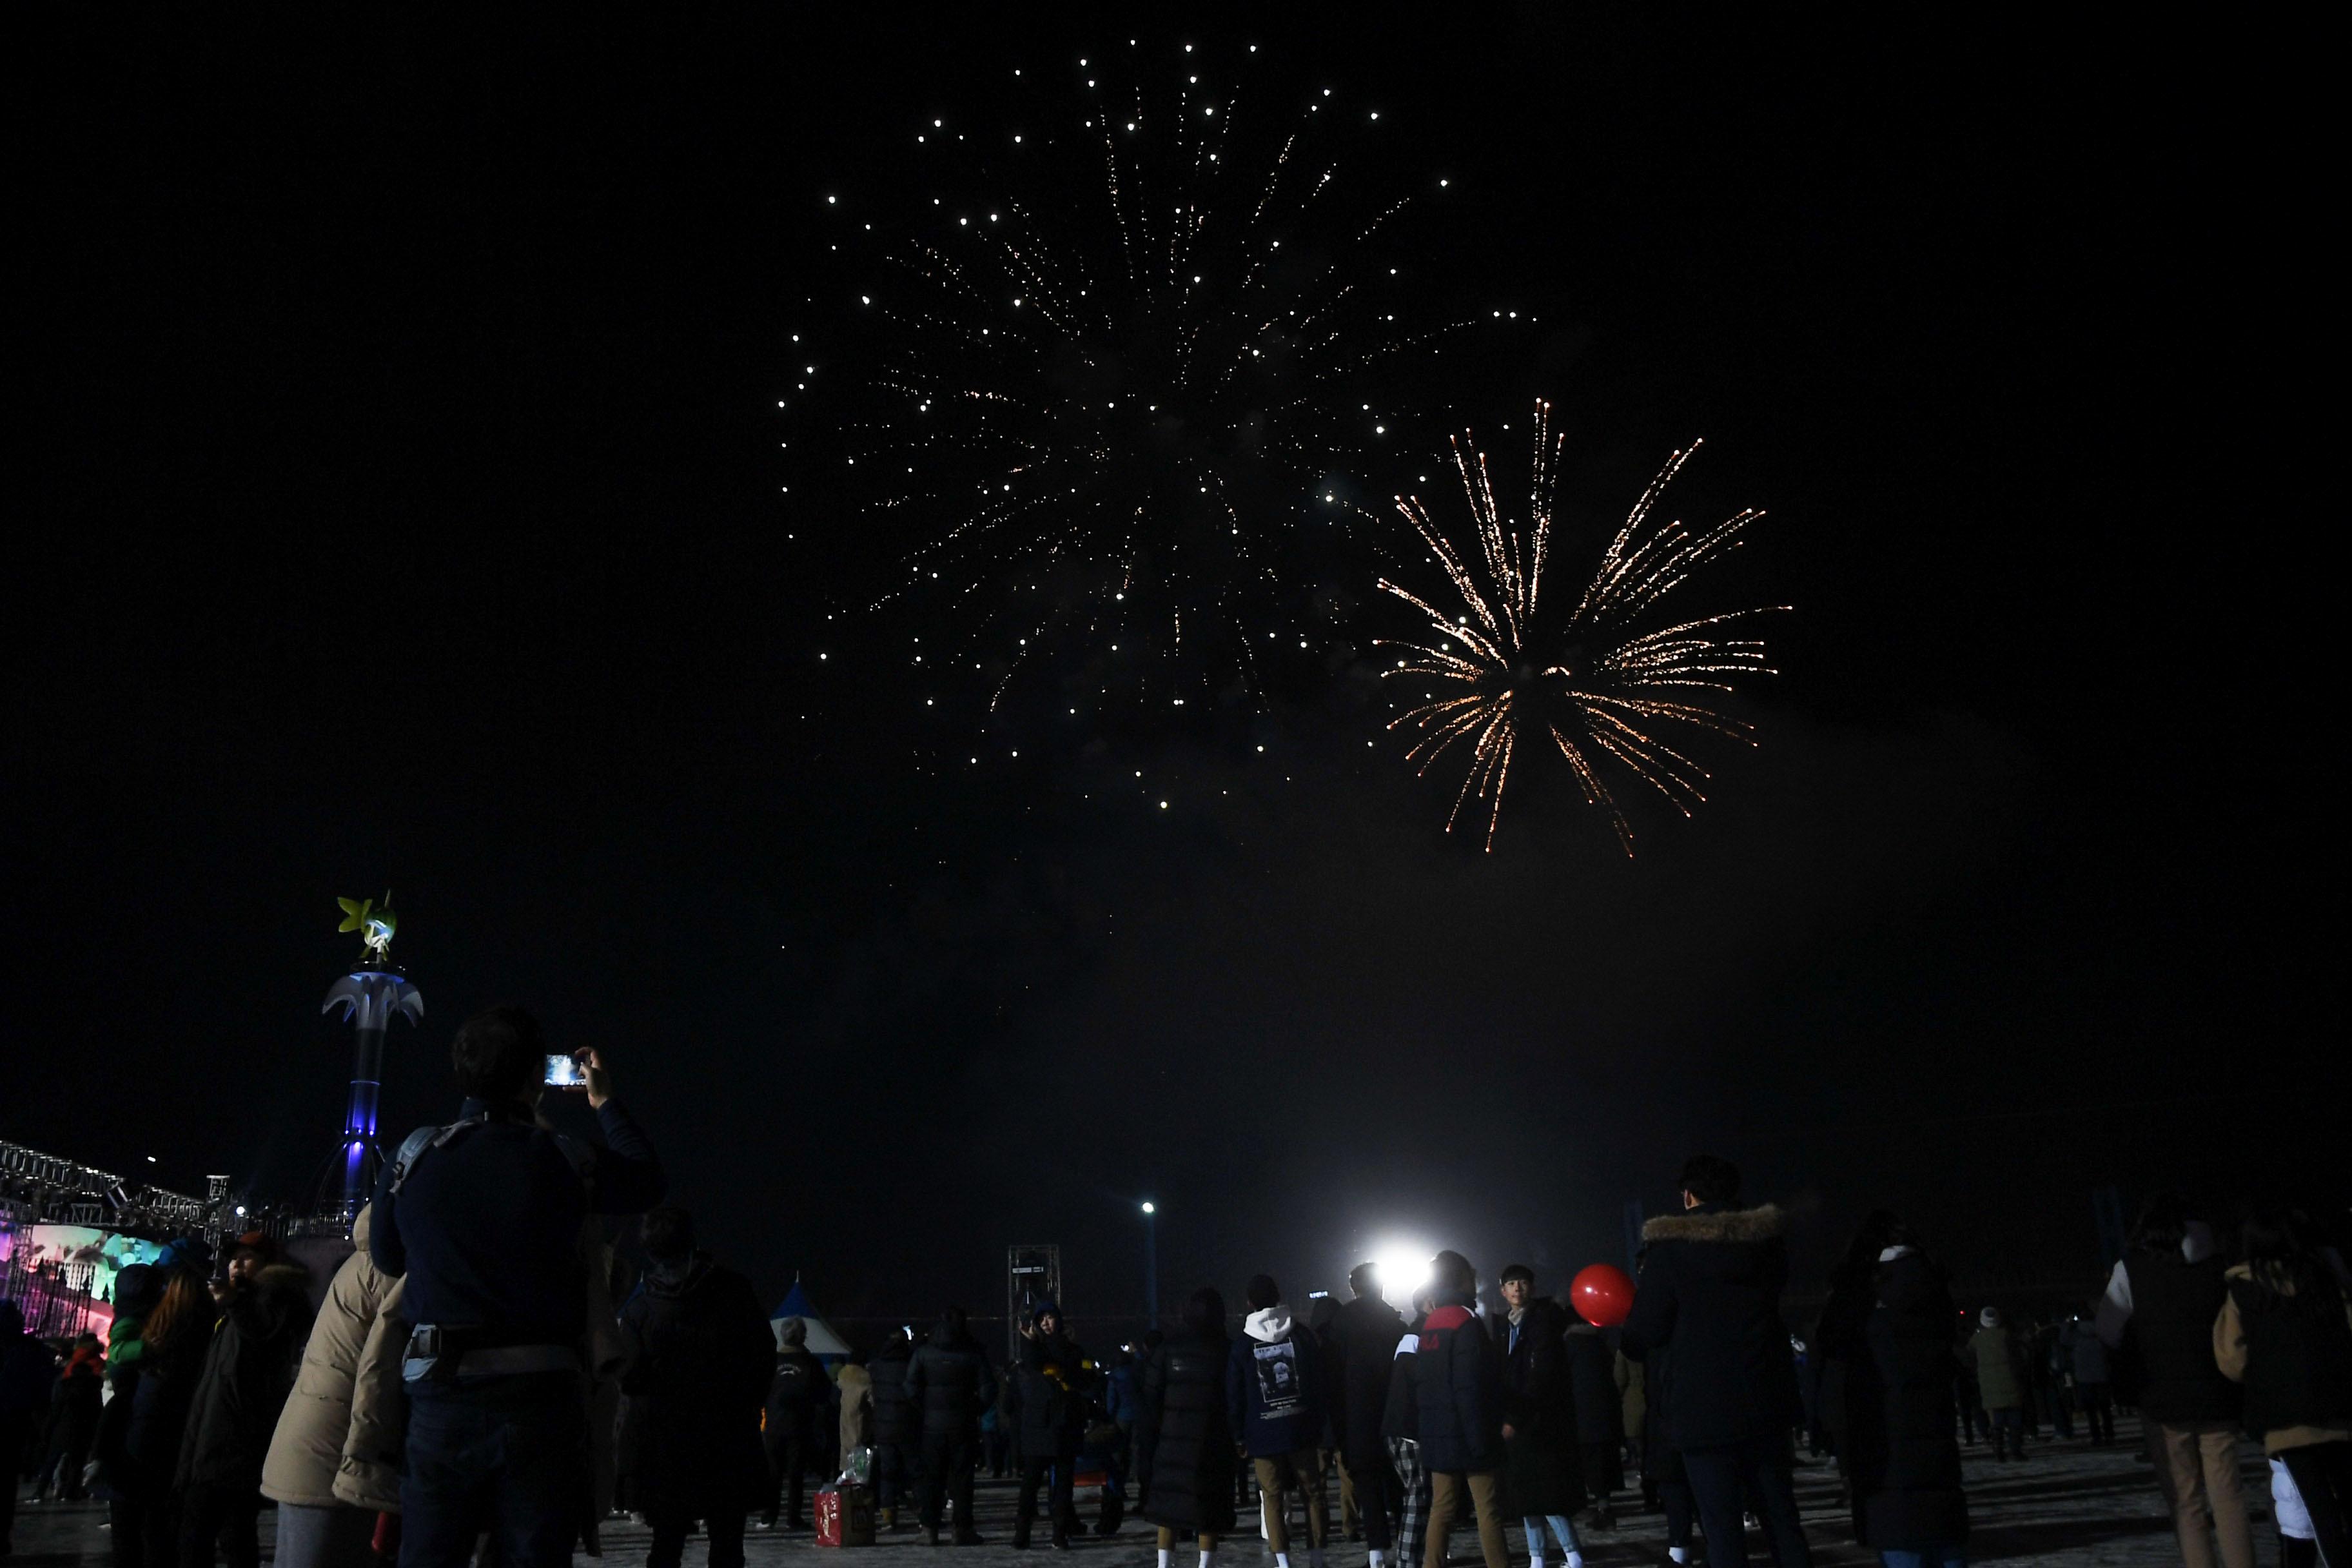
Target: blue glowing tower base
(369,998)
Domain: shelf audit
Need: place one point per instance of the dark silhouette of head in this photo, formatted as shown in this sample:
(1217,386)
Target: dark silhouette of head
(1262,1292)
(1711,1179)
(2163,1224)
(2286,1252)
(667,1234)
(498,1054)
(1364,1279)
(1205,1312)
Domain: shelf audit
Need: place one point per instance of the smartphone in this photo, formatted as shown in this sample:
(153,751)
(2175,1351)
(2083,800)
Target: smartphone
(566,1072)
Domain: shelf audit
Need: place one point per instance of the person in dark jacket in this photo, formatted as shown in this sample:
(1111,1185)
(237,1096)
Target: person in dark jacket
(1710,1295)
(155,1387)
(2286,1332)
(1121,1391)
(1457,1398)
(1183,1438)
(951,1386)
(2051,1380)
(1543,1460)
(1995,1361)
(74,1407)
(483,1218)
(1400,1426)
(1600,1415)
(1046,1399)
(1364,1338)
(1274,1386)
(28,1369)
(1661,1466)
(897,1428)
(2158,1313)
(249,1371)
(1886,1346)
(137,1288)
(698,1369)
(800,1404)
(2092,1375)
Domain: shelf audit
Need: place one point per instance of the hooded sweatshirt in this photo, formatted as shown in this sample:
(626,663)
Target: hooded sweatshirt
(1273,1384)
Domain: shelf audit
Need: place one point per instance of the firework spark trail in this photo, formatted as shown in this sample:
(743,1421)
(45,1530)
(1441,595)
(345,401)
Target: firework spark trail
(1109,407)
(1585,682)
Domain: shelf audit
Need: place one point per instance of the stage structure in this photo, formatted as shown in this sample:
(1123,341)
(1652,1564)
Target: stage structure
(370,995)
(66,1227)
(1032,1274)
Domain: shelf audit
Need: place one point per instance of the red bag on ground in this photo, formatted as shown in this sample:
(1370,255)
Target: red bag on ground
(845,1514)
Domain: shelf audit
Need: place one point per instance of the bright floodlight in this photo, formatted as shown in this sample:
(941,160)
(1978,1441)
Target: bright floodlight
(1404,1268)
(1148,1208)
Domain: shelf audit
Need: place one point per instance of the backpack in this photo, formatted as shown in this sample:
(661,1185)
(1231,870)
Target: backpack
(582,1157)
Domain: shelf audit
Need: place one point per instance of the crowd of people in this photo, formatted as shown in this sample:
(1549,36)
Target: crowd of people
(484,1380)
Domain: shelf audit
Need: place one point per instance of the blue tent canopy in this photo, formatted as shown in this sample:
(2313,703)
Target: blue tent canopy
(822,1342)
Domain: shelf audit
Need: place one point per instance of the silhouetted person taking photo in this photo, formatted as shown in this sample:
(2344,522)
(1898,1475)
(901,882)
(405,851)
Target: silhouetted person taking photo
(483,1218)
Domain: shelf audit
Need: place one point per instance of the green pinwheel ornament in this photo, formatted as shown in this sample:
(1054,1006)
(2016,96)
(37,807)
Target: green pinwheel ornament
(375,925)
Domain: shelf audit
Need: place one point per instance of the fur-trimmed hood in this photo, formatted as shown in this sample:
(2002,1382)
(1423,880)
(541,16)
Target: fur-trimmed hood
(1708,1223)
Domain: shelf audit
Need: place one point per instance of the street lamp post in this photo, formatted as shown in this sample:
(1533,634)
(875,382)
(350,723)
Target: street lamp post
(1151,1264)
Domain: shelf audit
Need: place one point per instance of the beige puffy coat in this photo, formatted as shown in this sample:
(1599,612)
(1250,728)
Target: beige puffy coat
(306,1451)
(856,1386)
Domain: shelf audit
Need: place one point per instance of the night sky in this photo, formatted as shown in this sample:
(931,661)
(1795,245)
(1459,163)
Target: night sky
(407,512)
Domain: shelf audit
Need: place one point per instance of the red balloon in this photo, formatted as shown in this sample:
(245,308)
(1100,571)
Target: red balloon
(1603,1293)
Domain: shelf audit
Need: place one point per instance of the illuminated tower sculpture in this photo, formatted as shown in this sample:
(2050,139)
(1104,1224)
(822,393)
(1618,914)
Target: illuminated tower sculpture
(369,995)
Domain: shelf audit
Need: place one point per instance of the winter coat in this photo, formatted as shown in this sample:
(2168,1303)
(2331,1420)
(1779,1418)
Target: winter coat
(1659,1459)
(1273,1384)
(2085,1356)
(307,1448)
(1458,1391)
(2295,1359)
(1400,1422)
(1885,1344)
(950,1383)
(75,1403)
(1544,1463)
(2168,1338)
(799,1397)
(1632,1396)
(1999,1363)
(249,1369)
(1592,1378)
(699,1361)
(140,1447)
(895,1419)
(27,1371)
(509,1264)
(1183,1440)
(1363,1354)
(369,1474)
(1120,1391)
(854,1386)
(1710,1289)
(1046,1396)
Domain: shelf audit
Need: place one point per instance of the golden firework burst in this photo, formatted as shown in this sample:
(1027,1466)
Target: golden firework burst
(1512,667)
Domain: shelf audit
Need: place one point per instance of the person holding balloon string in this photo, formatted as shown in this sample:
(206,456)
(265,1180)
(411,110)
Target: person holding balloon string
(1542,1459)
